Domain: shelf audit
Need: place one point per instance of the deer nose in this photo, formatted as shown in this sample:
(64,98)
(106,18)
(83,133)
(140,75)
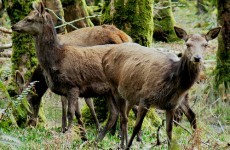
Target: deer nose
(197,58)
(14,28)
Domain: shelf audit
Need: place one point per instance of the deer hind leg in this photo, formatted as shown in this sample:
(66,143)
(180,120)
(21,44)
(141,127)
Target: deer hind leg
(124,122)
(191,116)
(113,115)
(89,102)
(139,135)
(141,113)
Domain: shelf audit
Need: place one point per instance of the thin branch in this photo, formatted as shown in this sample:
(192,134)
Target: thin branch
(67,23)
(5,30)
(189,132)
(182,127)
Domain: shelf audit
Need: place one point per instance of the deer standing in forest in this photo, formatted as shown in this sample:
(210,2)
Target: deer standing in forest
(69,71)
(89,36)
(151,78)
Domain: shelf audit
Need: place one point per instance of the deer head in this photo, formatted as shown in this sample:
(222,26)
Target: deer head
(33,23)
(196,43)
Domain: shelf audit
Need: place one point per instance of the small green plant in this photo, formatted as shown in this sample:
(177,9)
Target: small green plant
(14,108)
(7,141)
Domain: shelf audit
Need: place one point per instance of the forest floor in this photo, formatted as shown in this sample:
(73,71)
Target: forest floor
(213,114)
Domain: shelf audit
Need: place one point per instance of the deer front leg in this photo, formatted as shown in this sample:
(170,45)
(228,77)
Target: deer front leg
(169,124)
(72,97)
(64,113)
(80,122)
(141,113)
(89,102)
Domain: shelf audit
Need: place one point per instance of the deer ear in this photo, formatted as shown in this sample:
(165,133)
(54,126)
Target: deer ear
(212,34)
(181,33)
(19,79)
(39,7)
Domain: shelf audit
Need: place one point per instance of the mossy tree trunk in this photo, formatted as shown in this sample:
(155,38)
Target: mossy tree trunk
(135,17)
(222,72)
(164,22)
(23,56)
(75,9)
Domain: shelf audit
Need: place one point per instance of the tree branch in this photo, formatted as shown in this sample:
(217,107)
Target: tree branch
(5,30)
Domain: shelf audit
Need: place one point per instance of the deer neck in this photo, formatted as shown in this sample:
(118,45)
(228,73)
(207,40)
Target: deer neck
(187,73)
(48,48)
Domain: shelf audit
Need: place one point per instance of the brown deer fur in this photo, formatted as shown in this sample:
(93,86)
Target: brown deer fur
(153,78)
(69,71)
(98,35)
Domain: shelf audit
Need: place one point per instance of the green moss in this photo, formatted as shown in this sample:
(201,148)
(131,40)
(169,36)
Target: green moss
(23,56)
(222,71)
(133,16)
(151,121)
(164,23)
(101,111)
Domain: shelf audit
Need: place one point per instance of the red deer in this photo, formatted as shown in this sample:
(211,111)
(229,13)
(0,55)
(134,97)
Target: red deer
(58,70)
(69,71)
(151,78)
(89,36)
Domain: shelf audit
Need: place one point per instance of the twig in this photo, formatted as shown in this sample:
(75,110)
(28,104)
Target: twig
(189,132)
(182,127)
(210,104)
(5,30)
(66,23)
(221,126)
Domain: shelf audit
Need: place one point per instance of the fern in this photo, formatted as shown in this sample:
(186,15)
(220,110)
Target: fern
(15,106)
(9,141)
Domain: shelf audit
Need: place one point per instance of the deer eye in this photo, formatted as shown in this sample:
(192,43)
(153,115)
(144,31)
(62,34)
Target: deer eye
(29,20)
(205,45)
(188,45)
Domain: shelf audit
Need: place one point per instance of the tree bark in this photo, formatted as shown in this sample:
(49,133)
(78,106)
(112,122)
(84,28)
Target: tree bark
(164,22)
(135,17)
(23,55)
(222,71)
(75,9)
